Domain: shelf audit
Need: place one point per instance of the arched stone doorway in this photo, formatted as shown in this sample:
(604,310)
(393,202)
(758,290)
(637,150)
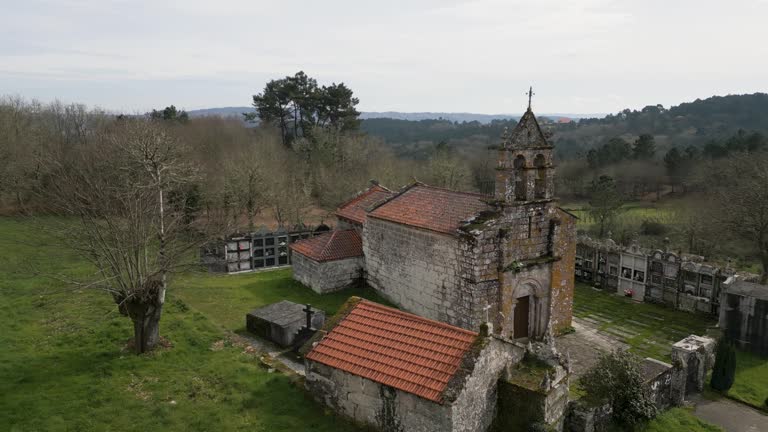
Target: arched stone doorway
(525,310)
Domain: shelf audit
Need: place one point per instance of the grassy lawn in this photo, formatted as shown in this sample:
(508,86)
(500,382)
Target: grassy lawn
(751,384)
(63,368)
(63,365)
(632,215)
(225,299)
(650,330)
(678,420)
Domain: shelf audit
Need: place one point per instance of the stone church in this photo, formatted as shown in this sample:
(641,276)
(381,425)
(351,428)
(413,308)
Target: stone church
(457,257)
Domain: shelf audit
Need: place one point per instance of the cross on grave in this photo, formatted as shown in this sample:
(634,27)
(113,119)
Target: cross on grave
(530,95)
(308,310)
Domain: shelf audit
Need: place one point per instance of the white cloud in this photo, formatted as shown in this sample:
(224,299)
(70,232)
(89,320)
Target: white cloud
(583,56)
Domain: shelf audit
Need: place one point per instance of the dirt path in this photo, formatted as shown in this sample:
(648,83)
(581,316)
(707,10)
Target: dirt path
(585,345)
(731,416)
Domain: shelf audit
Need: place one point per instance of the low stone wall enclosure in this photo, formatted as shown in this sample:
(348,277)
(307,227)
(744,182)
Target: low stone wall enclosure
(327,276)
(667,384)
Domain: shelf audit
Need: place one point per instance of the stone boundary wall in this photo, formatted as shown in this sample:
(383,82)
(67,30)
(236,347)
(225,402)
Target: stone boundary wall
(327,276)
(379,406)
(475,407)
(472,408)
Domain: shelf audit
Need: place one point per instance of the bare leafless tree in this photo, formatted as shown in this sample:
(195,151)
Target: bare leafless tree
(737,192)
(115,188)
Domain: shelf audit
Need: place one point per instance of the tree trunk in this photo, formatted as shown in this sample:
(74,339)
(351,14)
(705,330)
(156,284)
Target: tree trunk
(146,323)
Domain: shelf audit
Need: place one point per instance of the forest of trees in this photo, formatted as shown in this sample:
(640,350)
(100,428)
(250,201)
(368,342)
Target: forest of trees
(155,185)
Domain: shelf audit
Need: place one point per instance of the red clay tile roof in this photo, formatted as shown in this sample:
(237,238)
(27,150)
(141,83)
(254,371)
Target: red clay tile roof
(395,348)
(333,245)
(356,208)
(432,208)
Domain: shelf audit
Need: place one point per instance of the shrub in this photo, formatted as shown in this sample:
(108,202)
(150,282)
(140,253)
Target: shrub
(616,379)
(653,228)
(724,371)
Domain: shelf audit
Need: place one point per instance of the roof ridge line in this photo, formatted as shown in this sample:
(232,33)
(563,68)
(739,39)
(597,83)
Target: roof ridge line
(398,311)
(423,331)
(409,344)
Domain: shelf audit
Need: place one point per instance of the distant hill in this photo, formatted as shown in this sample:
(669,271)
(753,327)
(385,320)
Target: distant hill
(465,117)
(220,112)
(411,116)
(690,123)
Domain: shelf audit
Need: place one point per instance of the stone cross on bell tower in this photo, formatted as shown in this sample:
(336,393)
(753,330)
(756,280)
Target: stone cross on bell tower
(525,171)
(530,96)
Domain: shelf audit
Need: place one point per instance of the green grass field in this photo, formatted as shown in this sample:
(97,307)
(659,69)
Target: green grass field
(63,366)
(751,384)
(632,214)
(650,330)
(679,420)
(225,299)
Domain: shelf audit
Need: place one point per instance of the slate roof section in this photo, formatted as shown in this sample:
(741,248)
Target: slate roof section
(432,208)
(356,208)
(330,246)
(395,348)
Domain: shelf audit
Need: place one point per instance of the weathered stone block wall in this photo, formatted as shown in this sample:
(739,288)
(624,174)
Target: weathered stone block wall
(419,270)
(562,278)
(327,276)
(528,231)
(368,402)
(476,406)
(533,281)
(659,379)
(745,320)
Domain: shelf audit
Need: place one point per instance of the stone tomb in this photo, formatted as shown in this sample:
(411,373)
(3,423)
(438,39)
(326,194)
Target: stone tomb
(280,322)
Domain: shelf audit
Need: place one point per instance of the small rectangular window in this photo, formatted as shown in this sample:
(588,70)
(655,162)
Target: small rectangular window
(626,272)
(639,276)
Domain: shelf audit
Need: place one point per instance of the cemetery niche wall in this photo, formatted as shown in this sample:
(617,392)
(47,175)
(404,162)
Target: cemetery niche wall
(744,313)
(254,251)
(682,281)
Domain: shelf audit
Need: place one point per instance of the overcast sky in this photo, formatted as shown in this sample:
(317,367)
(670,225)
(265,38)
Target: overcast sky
(591,56)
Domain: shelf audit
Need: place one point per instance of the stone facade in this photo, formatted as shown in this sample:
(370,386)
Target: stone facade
(419,271)
(469,404)
(744,314)
(693,356)
(327,276)
(512,264)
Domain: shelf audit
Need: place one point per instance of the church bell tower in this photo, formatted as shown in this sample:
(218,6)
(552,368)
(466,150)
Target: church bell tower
(525,170)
